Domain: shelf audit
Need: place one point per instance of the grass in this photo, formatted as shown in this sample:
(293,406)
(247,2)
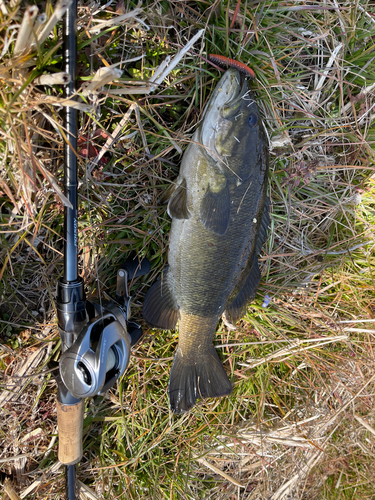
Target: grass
(300,421)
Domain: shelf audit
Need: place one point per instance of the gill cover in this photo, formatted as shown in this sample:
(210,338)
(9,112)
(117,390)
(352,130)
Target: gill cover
(240,134)
(232,136)
(214,120)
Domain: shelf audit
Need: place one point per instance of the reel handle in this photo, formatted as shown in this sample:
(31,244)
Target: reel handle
(128,270)
(135,332)
(135,268)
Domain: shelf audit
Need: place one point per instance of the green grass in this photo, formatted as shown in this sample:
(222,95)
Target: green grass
(299,367)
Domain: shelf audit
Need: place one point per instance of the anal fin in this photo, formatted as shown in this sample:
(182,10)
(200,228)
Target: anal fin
(159,308)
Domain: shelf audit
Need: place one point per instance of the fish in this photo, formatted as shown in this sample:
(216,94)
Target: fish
(220,217)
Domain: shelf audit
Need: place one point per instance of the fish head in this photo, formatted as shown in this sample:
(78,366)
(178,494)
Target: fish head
(232,126)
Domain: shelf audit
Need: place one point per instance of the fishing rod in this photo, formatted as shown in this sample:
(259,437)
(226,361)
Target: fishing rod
(95,339)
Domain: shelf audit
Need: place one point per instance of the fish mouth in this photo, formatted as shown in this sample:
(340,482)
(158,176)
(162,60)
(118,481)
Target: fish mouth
(223,105)
(233,105)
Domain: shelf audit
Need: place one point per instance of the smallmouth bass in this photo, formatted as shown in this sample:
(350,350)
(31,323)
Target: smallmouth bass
(219,211)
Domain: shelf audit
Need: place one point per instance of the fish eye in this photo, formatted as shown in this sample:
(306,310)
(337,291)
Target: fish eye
(253,119)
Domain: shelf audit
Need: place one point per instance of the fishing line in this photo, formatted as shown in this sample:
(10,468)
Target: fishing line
(95,254)
(90,219)
(243,197)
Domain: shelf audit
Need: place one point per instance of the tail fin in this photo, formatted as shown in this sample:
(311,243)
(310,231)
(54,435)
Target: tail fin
(192,378)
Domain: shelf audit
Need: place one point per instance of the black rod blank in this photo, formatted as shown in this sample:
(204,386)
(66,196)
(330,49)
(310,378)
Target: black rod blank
(70,149)
(70,482)
(71,214)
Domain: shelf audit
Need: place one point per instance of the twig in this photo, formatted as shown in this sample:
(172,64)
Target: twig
(85,491)
(115,21)
(294,348)
(8,489)
(112,138)
(365,424)
(15,457)
(141,129)
(221,473)
(167,66)
(55,467)
(23,39)
(322,79)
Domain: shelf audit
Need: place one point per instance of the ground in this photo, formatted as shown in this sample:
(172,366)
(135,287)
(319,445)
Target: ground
(300,422)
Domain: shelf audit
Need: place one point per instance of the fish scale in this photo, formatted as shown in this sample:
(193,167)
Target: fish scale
(225,256)
(219,211)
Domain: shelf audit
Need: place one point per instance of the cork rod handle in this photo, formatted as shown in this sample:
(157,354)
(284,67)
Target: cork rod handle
(70,421)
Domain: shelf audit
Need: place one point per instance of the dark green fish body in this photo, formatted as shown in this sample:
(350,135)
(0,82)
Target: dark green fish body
(219,215)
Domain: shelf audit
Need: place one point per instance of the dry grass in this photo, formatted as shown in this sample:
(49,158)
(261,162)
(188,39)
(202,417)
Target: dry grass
(300,423)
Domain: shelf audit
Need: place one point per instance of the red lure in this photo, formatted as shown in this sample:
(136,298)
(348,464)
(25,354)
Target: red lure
(227,62)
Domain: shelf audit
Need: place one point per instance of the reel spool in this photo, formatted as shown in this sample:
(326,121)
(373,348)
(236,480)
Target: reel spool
(101,352)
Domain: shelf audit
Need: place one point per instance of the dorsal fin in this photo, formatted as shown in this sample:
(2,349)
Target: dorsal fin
(235,310)
(263,229)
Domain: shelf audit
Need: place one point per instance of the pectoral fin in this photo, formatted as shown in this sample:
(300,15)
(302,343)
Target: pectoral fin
(177,206)
(160,308)
(215,208)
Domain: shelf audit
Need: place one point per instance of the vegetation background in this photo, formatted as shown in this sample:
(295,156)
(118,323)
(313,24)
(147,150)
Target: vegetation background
(300,423)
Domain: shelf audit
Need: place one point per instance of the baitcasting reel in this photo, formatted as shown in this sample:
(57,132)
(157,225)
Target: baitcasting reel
(100,354)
